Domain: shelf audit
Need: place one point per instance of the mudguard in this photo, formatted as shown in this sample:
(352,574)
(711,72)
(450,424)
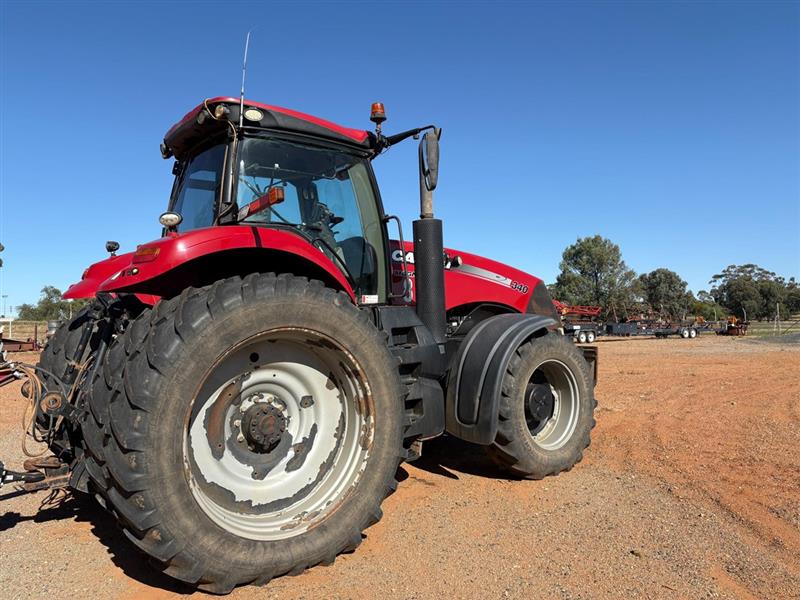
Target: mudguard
(96,274)
(477,370)
(168,264)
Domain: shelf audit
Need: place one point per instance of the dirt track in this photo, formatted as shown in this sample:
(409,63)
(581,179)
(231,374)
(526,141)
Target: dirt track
(691,489)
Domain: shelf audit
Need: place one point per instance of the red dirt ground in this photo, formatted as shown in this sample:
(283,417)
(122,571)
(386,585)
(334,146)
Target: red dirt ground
(691,489)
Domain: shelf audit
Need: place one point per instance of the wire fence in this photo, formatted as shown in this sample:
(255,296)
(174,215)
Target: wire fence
(24,330)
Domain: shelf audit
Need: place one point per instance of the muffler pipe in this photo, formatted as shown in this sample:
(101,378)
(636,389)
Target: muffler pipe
(428,244)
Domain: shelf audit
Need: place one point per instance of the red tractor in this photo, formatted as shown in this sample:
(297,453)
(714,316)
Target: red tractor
(241,390)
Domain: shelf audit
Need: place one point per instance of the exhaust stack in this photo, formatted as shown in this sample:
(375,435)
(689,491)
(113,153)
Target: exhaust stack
(428,245)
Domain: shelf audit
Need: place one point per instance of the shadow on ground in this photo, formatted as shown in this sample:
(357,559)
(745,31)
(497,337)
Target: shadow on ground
(448,456)
(445,456)
(83,509)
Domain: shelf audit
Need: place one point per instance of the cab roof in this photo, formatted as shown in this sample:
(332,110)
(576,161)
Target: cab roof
(199,123)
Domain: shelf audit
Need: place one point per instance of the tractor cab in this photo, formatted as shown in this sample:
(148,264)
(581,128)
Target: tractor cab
(277,176)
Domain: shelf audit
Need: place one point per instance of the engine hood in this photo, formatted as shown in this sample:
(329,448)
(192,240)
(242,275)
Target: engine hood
(473,279)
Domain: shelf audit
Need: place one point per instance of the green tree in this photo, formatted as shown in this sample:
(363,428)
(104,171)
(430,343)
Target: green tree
(666,293)
(751,290)
(792,297)
(593,272)
(773,294)
(740,296)
(748,271)
(51,306)
(704,297)
(705,306)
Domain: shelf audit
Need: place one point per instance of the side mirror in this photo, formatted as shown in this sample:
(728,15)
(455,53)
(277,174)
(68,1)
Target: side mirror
(429,158)
(112,247)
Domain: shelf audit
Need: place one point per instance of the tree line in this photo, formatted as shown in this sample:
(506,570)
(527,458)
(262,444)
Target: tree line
(592,272)
(50,307)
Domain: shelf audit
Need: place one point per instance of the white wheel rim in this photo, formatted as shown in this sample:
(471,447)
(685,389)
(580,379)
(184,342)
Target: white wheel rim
(559,428)
(317,392)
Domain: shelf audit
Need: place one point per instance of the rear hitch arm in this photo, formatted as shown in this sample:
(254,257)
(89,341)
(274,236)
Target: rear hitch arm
(42,473)
(7,476)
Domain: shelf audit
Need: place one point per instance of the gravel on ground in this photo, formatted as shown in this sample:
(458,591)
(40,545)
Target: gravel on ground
(691,489)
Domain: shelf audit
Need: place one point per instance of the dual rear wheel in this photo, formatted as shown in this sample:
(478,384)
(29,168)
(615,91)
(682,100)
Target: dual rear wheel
(241,441)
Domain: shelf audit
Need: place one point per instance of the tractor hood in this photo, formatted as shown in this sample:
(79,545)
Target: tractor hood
(472,279)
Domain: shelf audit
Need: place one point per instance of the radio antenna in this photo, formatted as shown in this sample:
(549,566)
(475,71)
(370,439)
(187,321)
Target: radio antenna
(244,72)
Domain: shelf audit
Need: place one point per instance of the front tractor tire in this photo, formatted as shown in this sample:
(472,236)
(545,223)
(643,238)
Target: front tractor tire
(254,432)
(546,409)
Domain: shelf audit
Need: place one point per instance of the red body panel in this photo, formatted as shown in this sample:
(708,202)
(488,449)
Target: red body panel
(95,275)
(358,135)
(178,249)
(476,280)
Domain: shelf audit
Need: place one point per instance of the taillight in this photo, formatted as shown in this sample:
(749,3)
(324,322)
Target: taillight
(146,254)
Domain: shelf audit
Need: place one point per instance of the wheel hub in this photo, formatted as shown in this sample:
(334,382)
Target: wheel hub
(280,434)
(540,405)
(263,425)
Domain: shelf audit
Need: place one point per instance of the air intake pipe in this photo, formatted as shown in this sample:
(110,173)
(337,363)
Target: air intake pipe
(428,246)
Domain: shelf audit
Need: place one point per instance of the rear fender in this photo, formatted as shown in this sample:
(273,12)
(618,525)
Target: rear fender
(477,370)
(95,275)
(202,256)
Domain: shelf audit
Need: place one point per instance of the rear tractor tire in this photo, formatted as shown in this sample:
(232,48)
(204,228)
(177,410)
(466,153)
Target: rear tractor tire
(255,430)
(546,409)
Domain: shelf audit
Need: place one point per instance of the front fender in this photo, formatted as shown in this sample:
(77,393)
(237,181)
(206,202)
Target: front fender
(477,370)
(173,262)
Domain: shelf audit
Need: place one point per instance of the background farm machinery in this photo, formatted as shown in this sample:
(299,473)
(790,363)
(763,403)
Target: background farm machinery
(580,322)
(583,324)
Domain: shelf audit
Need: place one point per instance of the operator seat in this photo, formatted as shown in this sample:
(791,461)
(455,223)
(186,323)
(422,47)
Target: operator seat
(361,260)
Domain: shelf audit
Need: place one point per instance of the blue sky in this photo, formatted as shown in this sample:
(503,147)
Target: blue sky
(671,128)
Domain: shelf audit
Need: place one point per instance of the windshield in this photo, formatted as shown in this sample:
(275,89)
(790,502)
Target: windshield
(197,193)
(325,194)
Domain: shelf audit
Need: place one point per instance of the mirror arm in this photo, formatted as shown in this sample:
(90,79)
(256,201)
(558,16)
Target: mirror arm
(384,142)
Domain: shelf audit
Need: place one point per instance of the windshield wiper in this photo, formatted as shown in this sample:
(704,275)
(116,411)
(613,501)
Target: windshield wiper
(339,259)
